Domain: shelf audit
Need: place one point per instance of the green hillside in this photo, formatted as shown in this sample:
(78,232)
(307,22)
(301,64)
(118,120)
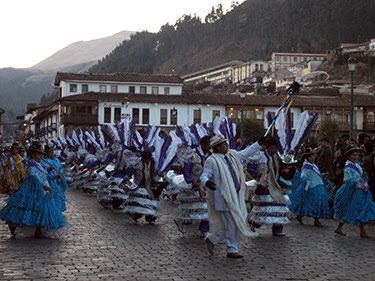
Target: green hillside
(252,30)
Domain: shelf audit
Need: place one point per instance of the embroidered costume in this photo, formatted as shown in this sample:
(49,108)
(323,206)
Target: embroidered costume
(311,196)
(13,171)
(53,167)
(31,205)
(353,201)
(270,202)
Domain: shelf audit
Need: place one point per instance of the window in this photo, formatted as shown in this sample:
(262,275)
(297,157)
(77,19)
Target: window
(131,90)
(73,88)
(155,90)
(107,114)
(143,90)
(145,116)
(85,88)
(277,58)
(114,89)
(294,59)
(163,116)
(197,116)
(166,91)
(285,59)
(215,113)
(256,67)
(173,116)
(261,67)
(102,88)
(136,115)
(117,114)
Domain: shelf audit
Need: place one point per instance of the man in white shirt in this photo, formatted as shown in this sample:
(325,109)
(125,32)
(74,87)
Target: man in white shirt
(223,176)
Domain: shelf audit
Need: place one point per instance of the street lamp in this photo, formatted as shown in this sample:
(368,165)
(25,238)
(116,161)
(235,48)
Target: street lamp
(351,65)
(242,95)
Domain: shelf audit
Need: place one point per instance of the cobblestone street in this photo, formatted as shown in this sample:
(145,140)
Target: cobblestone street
(99,244)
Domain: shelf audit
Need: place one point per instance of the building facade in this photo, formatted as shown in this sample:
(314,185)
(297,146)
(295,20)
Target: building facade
(285,60)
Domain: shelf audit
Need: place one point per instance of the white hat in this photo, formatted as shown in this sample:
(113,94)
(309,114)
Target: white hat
(215,140)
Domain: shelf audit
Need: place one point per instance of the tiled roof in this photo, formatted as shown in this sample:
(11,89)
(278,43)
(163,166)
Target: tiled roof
(118,77)
(305,99)
(300,54)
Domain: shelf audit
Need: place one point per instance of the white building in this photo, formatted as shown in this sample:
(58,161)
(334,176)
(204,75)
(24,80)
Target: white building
(284,60)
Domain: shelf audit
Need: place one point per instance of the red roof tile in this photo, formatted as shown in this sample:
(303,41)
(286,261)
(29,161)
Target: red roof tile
(118,77)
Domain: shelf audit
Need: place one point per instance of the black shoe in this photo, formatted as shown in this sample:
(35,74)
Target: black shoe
(252,228)
(299,219)
(179,226)
(133,217)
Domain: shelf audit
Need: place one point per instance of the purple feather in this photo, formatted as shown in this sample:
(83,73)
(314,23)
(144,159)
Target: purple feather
(132,137)
(107,135)
(269,118)
(307,130)
(120,129)
(167,140)
(194,131)
(181,135)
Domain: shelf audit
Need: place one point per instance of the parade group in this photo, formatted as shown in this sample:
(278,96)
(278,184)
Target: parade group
(230,189)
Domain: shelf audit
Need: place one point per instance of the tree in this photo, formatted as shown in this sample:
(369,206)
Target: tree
(253,130)
(329,128)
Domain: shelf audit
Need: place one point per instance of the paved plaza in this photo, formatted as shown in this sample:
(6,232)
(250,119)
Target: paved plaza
(99,244)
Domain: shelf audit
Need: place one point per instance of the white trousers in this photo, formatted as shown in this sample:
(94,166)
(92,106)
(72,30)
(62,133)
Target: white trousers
(230,233)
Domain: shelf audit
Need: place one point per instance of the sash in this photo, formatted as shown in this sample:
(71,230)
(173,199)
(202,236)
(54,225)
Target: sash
(49,166)
(12,163)
(359,170)
(312,167)
(38,166)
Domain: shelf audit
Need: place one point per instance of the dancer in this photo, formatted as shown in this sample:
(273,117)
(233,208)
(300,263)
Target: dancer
(192,201)
(270,200)
(144,200)
(53,166)
(224,177)
(311,196)
(353,201)
(13,170)
(33,203)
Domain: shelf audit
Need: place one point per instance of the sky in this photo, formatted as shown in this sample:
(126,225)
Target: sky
(32,30)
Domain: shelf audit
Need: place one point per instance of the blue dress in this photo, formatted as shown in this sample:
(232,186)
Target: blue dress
(59,186)
(353,201)
(31,205)
(312,202)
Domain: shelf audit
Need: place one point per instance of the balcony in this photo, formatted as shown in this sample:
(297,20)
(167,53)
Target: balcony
(80,119)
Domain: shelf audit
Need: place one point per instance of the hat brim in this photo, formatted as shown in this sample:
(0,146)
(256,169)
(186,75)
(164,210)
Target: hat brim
(219,142)
(33,150)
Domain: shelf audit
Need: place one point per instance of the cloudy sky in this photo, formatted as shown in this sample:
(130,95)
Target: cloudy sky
(32,30)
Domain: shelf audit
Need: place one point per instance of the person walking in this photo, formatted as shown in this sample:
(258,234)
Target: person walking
(353,201)
(311,196)
(33,204)
(224,178)
(13,170)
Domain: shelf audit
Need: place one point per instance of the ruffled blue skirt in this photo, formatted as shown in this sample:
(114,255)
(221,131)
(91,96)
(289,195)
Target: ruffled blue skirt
(311,203)
(31,206)
(59,194)
(353,205)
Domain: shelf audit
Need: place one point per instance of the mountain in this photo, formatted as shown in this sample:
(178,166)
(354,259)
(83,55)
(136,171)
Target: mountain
(21,86)
(82,52)
(252,30)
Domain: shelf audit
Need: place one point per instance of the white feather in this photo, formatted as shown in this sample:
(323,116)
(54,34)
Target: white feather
(302,124)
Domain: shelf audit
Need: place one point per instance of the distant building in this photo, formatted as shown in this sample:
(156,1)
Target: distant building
(243,71)
(285,60)
(219,74)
